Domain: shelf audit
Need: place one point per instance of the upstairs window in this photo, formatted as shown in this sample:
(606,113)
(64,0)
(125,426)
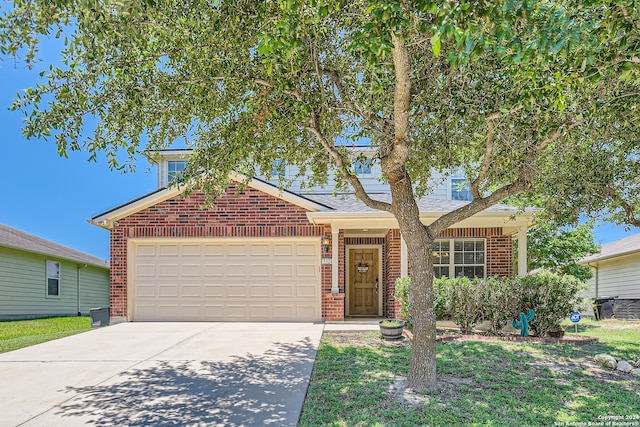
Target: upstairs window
(459,258)
(278,169)
(175,168)
(460,189)
(362,166)
(53,279)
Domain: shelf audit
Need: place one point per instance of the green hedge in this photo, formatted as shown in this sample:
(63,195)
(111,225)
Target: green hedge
(499,299)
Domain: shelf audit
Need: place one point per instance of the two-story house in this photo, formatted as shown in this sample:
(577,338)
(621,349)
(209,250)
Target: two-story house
(291,255)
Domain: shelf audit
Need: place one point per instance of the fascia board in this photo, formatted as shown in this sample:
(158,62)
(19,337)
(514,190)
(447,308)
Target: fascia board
(107,219)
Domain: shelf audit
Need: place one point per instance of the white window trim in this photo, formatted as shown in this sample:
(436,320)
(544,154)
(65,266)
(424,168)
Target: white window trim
(168,175)
(47,277)
(452,265)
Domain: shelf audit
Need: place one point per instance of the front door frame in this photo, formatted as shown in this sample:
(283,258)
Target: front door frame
(347,250)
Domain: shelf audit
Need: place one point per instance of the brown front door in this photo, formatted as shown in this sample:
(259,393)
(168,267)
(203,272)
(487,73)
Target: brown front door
(363,282)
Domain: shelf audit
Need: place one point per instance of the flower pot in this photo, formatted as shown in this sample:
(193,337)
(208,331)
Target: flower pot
(391,329)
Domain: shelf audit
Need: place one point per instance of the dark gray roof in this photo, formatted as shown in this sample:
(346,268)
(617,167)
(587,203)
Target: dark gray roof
(350,203)
(16,239)
(620,247)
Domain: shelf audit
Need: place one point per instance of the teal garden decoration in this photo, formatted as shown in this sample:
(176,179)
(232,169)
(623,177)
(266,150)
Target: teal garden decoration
(523,323)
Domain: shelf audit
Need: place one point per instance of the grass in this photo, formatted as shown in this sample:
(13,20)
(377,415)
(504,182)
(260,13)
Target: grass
(356,382)
(15,334)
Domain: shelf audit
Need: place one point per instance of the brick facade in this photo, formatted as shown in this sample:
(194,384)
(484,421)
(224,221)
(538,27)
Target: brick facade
(252,213)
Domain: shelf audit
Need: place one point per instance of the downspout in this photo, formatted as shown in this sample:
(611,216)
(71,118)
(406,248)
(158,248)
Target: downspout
(78,287)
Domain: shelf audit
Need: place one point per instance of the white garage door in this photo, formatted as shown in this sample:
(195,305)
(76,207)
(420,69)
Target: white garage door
(226,280)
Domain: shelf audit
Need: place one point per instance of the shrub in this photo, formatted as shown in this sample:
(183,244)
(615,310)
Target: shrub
(402,296)
(440,299)
(499,299)
(552,296)
(463,301)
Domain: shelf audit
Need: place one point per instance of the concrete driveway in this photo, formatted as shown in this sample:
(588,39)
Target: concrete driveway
(159,374)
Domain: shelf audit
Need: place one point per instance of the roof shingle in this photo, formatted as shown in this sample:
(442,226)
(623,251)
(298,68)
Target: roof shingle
(16,239)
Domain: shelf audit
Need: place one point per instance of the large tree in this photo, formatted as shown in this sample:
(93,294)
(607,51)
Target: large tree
(560,247)
(523,96)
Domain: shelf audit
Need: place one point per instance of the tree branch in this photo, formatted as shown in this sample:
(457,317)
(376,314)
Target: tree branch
(477,205)
(630,216)
(488,156)
(344,169)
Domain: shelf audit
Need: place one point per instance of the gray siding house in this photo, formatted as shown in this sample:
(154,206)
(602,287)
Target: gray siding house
(616,274)
(41,278)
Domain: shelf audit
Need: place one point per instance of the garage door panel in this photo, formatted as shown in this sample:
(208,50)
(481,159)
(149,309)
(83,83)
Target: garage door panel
(306,270)
(253,280)
(283,270)
(168,250)
(168,270)
(191,290)
(191,270)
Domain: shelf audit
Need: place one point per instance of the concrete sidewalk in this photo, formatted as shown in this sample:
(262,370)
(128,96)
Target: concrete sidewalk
(141,374)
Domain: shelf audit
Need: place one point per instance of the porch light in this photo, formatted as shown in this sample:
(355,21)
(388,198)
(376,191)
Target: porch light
(325,243)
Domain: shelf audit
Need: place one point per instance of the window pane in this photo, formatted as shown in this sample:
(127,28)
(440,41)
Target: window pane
(441,272)
(460,189)
(469,258)
(52,287)
(479,245)
(457,245)
(480,258)
(444,246)
(469,246)
(457,258)
(175,168)
(53,269)
(361,167)
(479,271)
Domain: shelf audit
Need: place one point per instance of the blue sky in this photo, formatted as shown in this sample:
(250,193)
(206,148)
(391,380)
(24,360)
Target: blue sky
(53,197)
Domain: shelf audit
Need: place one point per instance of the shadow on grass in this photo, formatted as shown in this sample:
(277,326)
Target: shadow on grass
(483,383)
(266,389)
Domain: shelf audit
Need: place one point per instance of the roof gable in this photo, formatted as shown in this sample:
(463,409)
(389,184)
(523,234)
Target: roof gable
(107,219)
(16,239)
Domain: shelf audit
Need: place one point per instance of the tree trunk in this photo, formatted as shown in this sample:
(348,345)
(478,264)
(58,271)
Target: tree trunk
(422,372)
(419,240)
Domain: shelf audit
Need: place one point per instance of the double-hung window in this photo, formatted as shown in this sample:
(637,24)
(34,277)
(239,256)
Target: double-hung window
(459,258)
(53,279)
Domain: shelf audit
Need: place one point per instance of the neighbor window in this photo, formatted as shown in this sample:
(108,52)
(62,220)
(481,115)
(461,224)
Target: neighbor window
(362,166)
(459,258)
(53,279)
(175,168)
(460,189)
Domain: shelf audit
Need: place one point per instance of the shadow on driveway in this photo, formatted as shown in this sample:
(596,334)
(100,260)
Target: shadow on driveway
(265,389)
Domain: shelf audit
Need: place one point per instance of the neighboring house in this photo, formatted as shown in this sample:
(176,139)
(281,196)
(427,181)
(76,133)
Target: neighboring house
(40,278)
(271,255)
(616,273)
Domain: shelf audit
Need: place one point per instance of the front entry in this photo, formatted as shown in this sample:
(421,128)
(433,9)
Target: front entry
(364,281)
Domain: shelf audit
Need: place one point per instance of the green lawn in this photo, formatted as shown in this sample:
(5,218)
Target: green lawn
(484,383)
(15,334)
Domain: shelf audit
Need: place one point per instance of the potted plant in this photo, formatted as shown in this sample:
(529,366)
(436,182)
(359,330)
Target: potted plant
(391,329)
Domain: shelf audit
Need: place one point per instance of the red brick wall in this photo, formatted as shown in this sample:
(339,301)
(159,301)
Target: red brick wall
(249,214)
